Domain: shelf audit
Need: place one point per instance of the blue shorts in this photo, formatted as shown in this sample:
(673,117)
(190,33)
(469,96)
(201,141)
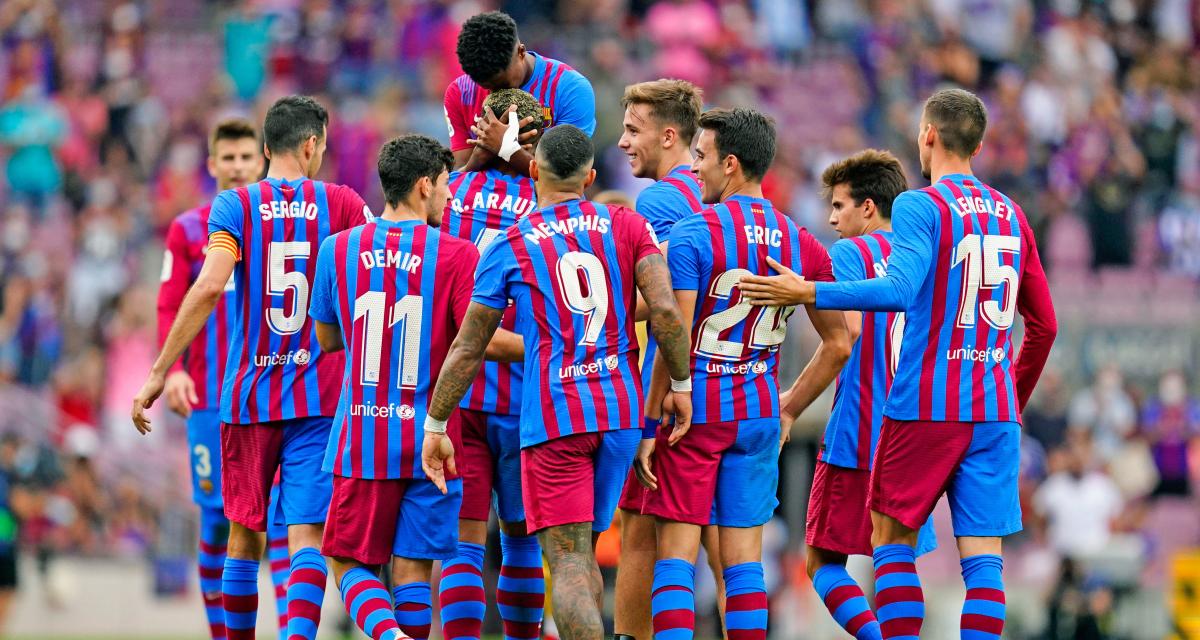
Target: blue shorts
(372,520)
(975,463)
(576,478)
(722,473)
(251,454)
(204,447)
(491,466)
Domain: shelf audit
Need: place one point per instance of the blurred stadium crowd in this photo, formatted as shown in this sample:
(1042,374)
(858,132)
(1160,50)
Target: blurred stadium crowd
(1094,110)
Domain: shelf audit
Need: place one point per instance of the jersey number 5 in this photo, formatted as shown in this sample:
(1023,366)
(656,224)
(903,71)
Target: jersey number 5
(983,269)
(280,280)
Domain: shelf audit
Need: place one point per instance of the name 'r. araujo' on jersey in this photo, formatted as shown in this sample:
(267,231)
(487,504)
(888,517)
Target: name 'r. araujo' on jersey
(569,269)
(482,206)
(398,291)
(276,370)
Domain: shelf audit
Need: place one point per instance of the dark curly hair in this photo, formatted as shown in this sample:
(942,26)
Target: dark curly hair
(486,44)
(404,160)
(527,105)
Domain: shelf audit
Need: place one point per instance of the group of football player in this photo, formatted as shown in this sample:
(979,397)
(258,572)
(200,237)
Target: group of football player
(379,384)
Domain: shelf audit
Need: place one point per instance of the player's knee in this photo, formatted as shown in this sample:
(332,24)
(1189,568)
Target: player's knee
(817,558)
(887,530)
(513,529)
(244,543)
(301,536)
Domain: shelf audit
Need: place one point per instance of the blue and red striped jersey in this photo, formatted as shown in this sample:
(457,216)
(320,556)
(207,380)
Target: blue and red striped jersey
(484,204)
(963,264)
(398,291)
(204,359)
(735,345)
(565,94)
(862,385)
(276,370)
(569,269)
(663,204)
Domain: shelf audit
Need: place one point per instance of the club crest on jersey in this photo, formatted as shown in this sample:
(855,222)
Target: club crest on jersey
(301,357)
(282,210)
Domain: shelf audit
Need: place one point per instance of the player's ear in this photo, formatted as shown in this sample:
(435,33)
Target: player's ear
(731,165)
(266,152)
(978,148)
(591,177)
(869,209)
(212,166)
(669,137)
(533,169)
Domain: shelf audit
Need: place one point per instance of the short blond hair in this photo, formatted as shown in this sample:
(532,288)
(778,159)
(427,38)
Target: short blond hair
(671,102)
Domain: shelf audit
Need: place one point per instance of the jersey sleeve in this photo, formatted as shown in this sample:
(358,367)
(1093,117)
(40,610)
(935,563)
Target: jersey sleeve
(176,278)
(814,259)
(914,223)
(576,102)
(496,267)
(465,264)
(683,256)
(662,207)
(638,232)
(348,208)
(226,215)
(1037,310)
(323,306)
(458,126)
(847,262)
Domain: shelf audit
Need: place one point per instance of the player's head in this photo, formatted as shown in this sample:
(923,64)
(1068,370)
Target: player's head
(296,125)
(563,161)
(234,157)
(414,171)
(660,115)
(861,190)
(490,52)
(527,106)
(735,147)
(953,123)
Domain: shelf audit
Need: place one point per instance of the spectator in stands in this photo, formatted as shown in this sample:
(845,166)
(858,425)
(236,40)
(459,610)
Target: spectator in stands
(1105,411)
(1045,417)
(1078,503)
(1171,424)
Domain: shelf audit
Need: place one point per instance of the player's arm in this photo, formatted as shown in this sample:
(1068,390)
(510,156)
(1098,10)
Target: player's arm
(641,313)
(180,389)
(197,305)
(321,307)
(672,332)
(1037,310)
(329,336)
(505,346)
(823,368)
(500,136)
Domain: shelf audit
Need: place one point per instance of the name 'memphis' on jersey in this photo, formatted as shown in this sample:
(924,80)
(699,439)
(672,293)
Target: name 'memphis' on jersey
(569,269)
(483,204)
(735,345)
(398,291)
(276,370)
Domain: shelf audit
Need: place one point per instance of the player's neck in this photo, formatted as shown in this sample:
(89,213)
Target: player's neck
(529,60)
(552,197)
(876,225)
(749,189)
(668,163)
(948,165)
(286,167)
(402,212)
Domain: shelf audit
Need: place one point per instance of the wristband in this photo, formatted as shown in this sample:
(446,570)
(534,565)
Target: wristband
(433,425)
(682,386)
(650,428)
(510,144)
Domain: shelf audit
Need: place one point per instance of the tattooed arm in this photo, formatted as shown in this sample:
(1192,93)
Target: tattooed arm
(672,333)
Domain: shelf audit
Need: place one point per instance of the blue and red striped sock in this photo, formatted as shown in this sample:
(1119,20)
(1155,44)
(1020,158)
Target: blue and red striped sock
(414,609)
(214,533)
(983,610)
(239,598)
(461,595)
(899,602)
(521,589)
(673,600)
(368,604)
(846,602)
(305,593)
(280,563)
(745,602)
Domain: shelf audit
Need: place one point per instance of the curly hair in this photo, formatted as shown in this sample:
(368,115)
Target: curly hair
(527,105)
(486,45)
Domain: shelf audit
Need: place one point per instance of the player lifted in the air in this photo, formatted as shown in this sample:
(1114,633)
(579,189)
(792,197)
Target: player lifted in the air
(572,269)
(659,124)
(392,293)
(483,204)
(492,58)
(725,470)
(193,386)
(861,190)
(280,390)
(963,264)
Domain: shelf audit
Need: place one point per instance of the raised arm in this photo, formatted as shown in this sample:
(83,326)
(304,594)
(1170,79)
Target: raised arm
(1037,310)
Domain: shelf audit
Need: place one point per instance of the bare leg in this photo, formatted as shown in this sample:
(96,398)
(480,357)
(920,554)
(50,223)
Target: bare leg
(568,549)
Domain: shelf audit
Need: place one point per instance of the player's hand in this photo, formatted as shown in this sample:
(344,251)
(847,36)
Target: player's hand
(784,290)
(181,393)
(785,429)
(144,399)
(437,459)
(641,464)
(680,408)
(490,131)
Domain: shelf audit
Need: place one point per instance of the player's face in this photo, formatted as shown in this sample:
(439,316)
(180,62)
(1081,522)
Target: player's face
(513,75)
(709,167)
(847,218)
(641,141)
(441,196)
(235,163)
(924,151)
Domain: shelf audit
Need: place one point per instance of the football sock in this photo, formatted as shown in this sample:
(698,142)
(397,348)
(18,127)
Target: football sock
(368,604)
(673,600)
(461,594)
(305,592)
(521,588)
(239,597)
(414,608)
(983,610)
(745,602)
(846,602)
(277,556)
(214,533)
(899,602)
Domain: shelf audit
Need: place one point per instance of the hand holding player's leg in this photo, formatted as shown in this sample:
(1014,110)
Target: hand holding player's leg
(568,549)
